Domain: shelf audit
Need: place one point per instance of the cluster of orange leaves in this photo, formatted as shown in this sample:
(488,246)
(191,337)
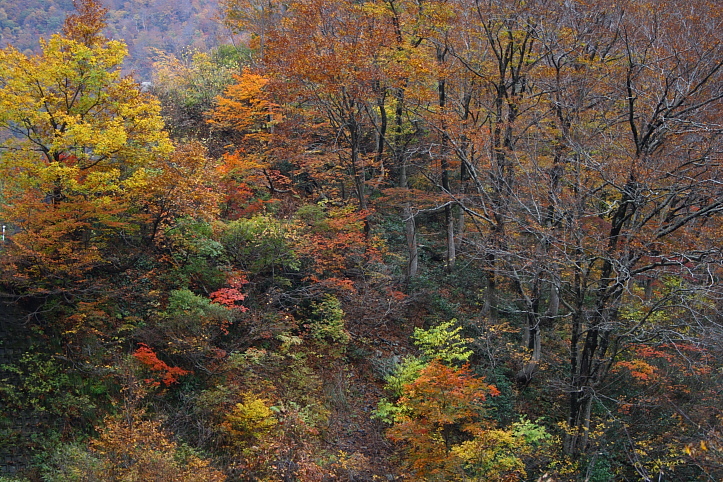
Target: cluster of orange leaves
(638,369)
(338,243)
(165,374)
(642,366)
(441,401)
(231,295)
(639,366)
(228,297)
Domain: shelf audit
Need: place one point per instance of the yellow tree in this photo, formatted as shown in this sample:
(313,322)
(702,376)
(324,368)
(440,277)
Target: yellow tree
(187,85)
(131,447)
(183,185)
(76,135)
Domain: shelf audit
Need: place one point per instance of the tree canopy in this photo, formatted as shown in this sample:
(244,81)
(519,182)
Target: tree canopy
(416,240)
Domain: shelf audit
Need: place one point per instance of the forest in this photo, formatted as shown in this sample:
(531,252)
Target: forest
(145,26)
(378,240)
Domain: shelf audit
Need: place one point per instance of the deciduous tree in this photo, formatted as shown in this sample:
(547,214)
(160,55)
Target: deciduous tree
(77,134)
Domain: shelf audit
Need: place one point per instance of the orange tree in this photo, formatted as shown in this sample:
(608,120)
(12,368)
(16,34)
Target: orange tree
(329,71)
(246,114)
(441,418)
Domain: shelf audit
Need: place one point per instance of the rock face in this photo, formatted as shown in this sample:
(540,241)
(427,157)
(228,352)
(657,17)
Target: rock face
(14,427)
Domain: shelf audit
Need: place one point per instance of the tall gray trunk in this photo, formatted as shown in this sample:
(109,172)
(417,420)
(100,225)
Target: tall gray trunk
(410,231)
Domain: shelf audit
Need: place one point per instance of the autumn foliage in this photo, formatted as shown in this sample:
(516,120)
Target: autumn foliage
(369,240)
(162,373)
(439,409)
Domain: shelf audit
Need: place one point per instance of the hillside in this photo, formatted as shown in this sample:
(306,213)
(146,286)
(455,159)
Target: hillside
(381,240)
(170,26)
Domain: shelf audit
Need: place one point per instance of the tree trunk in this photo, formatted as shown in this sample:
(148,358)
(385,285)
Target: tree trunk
(410,231)
(444,166)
